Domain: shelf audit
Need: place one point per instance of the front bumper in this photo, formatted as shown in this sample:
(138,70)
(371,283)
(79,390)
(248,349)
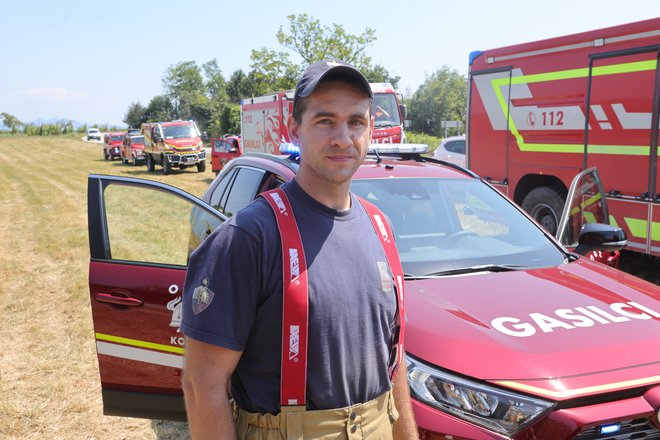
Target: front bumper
(186,159)
(633,417)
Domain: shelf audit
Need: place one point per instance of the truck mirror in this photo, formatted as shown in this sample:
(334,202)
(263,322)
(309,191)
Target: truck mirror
(403,110)
(406,123)
(205,136)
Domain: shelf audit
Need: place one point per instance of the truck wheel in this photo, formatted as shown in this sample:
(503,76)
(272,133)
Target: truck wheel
(150,163)
(546,205)
(167,166)
(201,166)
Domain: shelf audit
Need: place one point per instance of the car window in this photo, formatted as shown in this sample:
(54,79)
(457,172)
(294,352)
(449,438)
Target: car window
(443,224)
(244,188)
(147,225)
(217,200)
(456,147)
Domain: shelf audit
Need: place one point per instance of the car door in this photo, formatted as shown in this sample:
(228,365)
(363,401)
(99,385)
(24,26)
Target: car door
(139,233)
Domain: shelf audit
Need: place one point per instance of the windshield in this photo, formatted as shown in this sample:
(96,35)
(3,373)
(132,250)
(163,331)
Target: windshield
(116,138)
(137,139)
(446,224)
(179,131)
(385,110)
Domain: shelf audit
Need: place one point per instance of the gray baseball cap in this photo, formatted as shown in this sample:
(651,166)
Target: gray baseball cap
(315,73)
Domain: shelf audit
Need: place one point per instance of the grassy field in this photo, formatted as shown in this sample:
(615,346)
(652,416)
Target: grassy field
(49,381)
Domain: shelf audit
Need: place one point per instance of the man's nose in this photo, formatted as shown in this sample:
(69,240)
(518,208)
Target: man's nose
(342,136)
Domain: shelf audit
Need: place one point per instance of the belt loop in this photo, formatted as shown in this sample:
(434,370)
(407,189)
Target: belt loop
(294,425)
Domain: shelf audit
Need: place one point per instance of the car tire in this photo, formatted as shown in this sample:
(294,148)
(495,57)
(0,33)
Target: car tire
(201,166)
(545,204)
(167,166)
(150,163)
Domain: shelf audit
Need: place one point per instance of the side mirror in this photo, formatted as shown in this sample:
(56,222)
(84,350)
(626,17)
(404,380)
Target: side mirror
(406,123)
(403,111)
(205,136)
(600,237)
(158,138)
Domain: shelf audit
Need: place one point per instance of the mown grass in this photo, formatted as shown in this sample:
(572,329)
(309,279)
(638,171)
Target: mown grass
(49,381)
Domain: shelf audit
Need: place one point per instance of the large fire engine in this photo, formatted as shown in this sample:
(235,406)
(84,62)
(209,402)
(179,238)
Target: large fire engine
(540,112)
(263,119)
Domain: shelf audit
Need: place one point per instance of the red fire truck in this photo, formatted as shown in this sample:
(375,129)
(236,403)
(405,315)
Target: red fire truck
(263,119)
(540,112)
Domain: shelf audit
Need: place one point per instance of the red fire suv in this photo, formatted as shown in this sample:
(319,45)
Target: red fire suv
(509,335)
(111,145)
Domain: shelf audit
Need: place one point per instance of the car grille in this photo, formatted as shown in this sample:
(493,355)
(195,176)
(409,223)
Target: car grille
(630,430)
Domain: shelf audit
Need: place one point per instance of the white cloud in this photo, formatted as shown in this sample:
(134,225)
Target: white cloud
(56,94)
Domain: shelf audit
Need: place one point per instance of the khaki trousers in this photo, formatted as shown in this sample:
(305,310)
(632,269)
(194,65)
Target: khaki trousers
(372,420)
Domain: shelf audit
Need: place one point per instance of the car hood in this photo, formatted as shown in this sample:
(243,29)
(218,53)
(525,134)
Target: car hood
(558,332)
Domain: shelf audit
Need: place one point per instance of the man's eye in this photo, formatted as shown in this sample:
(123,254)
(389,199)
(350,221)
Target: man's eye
(357,122)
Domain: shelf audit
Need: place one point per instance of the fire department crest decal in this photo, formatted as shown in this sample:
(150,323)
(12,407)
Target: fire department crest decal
(201,298)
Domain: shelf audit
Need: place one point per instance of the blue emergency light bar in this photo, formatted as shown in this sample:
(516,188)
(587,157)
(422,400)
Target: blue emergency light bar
(294,150)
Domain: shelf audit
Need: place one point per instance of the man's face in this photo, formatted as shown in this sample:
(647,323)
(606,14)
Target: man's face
(333,134)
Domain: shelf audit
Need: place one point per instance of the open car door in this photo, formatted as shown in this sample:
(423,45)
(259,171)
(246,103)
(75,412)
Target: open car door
(584,225)
(139,235)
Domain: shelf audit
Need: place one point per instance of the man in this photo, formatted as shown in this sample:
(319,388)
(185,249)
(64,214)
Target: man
(233,297)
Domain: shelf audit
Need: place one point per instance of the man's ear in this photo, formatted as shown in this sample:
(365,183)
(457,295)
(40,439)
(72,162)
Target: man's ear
(292,126)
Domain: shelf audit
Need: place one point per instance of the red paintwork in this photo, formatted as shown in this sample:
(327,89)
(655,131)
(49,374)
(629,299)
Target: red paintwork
(619,110)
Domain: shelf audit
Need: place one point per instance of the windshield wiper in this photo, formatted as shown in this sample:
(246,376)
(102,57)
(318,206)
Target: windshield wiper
(478,268)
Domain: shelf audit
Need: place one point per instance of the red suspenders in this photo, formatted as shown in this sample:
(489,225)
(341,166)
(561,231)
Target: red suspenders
(295,308)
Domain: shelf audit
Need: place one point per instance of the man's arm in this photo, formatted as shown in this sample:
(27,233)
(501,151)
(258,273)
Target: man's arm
(405,427)
(206,373)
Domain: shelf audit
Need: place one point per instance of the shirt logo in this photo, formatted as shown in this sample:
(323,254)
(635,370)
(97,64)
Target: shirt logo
(294,264)
(381,228)
(294,342)
(278,201)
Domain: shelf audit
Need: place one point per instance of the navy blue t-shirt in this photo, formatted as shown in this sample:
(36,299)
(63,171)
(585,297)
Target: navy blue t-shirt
(233,298)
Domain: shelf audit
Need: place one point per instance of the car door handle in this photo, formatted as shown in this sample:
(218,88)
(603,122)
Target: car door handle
(118,300)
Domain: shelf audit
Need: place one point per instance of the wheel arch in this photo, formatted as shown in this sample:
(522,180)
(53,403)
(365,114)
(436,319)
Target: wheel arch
(533,181)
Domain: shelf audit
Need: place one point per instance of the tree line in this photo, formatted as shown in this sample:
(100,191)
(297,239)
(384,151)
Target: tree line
(203,94)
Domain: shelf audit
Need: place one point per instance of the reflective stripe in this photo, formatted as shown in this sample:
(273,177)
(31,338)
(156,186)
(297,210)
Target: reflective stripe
(138,343)
(638,228)
(138,354)
(615,69)
(579,391)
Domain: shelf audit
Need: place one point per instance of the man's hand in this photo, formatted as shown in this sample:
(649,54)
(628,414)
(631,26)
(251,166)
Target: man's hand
(206,373)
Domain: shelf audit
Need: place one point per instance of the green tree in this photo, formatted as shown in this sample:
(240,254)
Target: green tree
(209,116)
(184,86)
(11,122)
(241,86)
(312,41)
(231,119)
(159,109)
(135,115)
(442,97)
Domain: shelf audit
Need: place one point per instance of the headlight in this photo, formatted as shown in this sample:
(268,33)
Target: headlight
(489,407)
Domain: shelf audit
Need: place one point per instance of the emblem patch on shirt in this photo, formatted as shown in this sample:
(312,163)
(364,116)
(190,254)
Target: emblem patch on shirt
(201,298)
(385,278)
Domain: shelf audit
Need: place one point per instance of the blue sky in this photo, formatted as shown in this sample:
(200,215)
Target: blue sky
(88,60)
